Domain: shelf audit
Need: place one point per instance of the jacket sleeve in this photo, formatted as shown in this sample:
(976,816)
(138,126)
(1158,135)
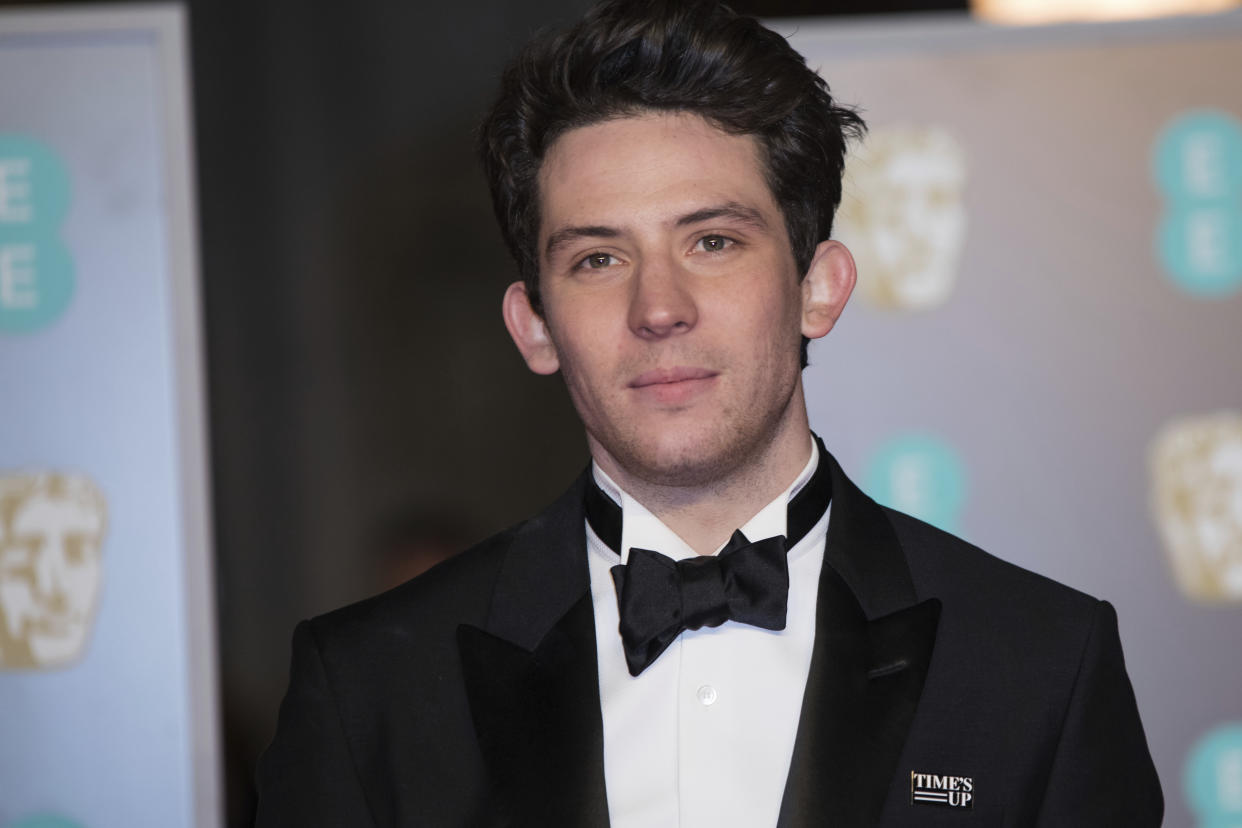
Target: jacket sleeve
(1102,772)
(306,777)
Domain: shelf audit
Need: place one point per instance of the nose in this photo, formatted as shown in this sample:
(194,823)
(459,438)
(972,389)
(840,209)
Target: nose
(661,303)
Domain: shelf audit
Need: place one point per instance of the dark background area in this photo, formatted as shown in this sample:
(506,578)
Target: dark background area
(364,397)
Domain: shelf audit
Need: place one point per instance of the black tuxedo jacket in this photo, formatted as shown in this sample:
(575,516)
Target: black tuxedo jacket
(469,696)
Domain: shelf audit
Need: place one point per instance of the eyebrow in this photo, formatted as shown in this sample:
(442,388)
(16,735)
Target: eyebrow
(730,210)
(565,235)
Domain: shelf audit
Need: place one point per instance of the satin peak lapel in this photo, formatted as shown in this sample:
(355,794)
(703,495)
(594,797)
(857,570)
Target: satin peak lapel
(532,680)
(873,645)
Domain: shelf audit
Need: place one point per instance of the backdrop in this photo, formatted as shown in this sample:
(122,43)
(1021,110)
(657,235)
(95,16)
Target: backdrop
(107,658)
(1045,351)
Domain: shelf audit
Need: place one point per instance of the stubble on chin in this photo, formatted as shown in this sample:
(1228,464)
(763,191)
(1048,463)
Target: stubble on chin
(701,454)
(672,461)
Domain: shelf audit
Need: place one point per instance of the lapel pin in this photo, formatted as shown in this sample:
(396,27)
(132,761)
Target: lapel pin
(941,789)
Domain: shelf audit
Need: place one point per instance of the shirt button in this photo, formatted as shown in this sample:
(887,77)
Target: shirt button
(707,695)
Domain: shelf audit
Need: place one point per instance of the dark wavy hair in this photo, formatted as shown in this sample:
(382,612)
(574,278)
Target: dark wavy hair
(627,57)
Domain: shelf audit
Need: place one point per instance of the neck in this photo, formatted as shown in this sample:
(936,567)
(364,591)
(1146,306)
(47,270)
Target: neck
(705,515)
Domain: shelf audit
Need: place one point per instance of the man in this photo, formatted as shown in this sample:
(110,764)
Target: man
(665,174)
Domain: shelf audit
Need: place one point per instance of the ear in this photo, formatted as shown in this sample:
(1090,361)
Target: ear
(529,331)
(826,288)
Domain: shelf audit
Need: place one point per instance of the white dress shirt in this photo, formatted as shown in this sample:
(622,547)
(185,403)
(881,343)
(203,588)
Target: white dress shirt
(704,736)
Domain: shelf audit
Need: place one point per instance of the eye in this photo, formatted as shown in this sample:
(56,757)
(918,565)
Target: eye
(598,261)
(715,244)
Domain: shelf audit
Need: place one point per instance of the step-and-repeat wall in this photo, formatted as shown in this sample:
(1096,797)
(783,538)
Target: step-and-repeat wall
(107,684)
(1044,356)
(1044,353)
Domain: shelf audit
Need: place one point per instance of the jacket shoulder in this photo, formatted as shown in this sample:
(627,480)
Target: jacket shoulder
(938,558)
(456,591)
(982,589)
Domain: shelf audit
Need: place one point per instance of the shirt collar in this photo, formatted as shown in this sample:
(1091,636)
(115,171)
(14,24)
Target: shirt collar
(640,528)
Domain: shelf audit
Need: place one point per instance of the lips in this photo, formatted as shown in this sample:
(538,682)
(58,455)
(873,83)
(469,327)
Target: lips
(670,376)
(677,387)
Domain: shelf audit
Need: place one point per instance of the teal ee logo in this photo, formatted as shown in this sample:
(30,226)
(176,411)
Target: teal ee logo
(1201,248)
(1199,157)
(1198,168)
(36,271)
(1213,777)
(45,821)
(920,475)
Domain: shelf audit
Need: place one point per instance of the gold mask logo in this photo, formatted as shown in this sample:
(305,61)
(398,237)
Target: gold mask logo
(902,215)
(51,529)
(1196,470)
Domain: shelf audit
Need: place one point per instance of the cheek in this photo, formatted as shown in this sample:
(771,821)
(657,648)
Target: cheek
(584,371)
(585,344)
(781,320)
(595,404)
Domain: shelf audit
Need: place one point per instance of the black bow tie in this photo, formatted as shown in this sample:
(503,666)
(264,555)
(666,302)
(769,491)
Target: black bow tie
(658,598)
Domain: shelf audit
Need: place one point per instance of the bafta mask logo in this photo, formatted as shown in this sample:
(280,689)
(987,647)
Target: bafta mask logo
(51,529)
(1196,471)
(902,215)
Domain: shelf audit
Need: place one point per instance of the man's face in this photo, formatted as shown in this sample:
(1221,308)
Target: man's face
(670,295)
(49,577)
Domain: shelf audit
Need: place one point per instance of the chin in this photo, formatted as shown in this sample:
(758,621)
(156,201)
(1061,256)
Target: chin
(694,457)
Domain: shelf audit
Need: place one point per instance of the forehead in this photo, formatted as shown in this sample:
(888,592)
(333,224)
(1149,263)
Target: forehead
(648,167)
